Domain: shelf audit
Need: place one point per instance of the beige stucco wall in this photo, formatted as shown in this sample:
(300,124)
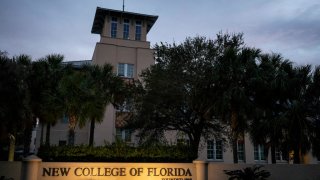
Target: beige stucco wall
(10,170)
(278,171)
(59,132)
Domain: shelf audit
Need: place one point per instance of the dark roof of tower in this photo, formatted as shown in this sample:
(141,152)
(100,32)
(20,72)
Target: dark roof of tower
(101,13)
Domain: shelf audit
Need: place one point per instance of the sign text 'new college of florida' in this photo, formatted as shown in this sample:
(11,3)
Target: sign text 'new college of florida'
(163,173)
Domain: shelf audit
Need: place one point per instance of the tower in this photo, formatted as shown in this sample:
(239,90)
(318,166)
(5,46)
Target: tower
(123,44)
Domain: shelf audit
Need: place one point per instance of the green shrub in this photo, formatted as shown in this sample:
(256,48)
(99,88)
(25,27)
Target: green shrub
(248,173)
(115,153)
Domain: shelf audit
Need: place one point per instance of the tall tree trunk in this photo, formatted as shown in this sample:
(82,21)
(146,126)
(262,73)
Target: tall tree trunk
(27,138)
(71,137)
(47,143)
(12,144)
(41,135)
(234,127)
(92,126)
(235,150)
(194,145)
(296,155)
(72,127)
(273,154)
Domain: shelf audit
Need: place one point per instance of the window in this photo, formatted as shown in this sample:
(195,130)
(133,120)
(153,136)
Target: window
(138,30)
(126,29)
(114,24)
(259,152)
(214,150)
(125,70)
(123,134)
(240,149)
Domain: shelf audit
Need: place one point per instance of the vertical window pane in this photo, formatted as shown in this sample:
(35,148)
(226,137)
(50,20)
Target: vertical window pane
(138,30)
(126,29)
(240,147)
(130,70)
(256,152)
(219,149)
(121,69)
(127,137)
(210,149)
(118,134)
(114,24)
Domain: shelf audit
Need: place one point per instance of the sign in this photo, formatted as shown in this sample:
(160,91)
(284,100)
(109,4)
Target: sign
(121,171)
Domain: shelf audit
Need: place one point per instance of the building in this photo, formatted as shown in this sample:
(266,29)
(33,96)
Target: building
(123,44)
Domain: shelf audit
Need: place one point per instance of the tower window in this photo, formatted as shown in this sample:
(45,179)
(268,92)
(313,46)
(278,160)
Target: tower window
(138,30)
(126,29)
(125,70)
(114,26)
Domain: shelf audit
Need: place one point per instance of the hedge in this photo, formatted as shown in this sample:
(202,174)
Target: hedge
(115,153)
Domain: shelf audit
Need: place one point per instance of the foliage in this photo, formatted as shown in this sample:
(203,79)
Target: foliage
(15,112)
(248,173)
(177,93)
(119,152)
(235,69)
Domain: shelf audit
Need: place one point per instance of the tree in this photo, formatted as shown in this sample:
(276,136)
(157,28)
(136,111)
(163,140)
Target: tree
(14,100)
(271,86)
(103,86)
(83,95)
(314,101)
(178,93)
(45,77)
(235,70)
(299,113)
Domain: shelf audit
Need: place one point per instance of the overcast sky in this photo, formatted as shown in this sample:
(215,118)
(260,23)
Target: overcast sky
(41,27)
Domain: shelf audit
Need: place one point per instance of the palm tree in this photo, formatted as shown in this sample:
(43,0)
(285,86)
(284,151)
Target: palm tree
(299,122)
(102,87)
(45,76)
(70,99)
(314,100)
(271,86)
(235,68)
(14,100)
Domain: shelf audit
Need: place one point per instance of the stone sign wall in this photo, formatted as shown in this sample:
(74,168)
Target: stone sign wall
(32,168)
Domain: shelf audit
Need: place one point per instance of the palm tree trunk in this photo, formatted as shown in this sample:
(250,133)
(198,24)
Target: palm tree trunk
(194,145)
(72,127)
(12,140)
(71,137)
(41,135)
(234,126)
(92,126)
(47,143)
(296,155)
(27,138)
(273,154)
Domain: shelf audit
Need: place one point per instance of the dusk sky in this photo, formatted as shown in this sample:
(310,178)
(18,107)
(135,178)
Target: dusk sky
(42,27)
